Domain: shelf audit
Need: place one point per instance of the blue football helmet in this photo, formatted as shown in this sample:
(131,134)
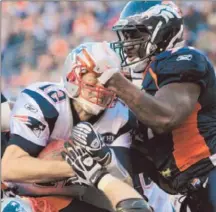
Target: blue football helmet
(136,7)
(146,28)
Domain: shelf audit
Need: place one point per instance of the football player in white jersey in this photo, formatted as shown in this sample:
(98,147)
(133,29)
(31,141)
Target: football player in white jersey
(83,160)
(82,156)
(47,111)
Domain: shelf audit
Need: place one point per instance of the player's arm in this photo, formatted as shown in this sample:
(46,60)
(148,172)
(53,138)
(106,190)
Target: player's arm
(162,112)
(123,197)
(172,103)
(19,166)
(29,134)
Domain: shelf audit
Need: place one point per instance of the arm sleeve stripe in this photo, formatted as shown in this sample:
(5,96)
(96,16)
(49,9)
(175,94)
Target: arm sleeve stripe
(28,146)
(49,111)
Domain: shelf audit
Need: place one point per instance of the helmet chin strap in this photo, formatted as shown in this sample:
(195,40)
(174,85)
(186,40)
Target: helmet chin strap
(139,66)
(89,107)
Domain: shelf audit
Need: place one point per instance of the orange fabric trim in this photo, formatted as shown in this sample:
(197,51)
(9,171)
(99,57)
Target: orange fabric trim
(144,74)
(189,145)
(54,204)
(153,75)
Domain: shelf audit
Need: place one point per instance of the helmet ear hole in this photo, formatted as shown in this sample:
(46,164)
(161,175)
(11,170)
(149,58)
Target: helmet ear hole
(166,38)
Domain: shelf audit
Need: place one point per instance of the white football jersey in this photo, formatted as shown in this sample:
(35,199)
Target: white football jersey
(43,113)
(158,198)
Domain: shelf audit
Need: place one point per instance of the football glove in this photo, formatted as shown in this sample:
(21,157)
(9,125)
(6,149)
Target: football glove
(84,135)
(88,171)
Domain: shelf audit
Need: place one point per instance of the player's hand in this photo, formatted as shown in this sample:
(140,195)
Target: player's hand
(101,59)
(84,135)
(88,171)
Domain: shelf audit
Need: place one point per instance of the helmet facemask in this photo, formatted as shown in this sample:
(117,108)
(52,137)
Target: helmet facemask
(93,98)
(96,94)
(164,25)
(132,44)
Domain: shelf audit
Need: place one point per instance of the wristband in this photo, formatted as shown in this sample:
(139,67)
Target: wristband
(95,179)
(104,181)
(107,75)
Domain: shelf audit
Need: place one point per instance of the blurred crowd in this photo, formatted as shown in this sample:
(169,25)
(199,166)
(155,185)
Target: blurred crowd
(200,26)
(37,36)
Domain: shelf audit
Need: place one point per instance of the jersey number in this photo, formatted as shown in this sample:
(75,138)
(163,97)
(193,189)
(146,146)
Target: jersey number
(56,96)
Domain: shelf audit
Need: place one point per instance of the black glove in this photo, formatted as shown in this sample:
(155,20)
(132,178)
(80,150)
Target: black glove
(88,171)
(84,135)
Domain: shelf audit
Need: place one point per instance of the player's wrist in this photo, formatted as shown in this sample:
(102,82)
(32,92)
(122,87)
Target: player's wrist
(105,180)
(96,178)
(107,75)
(114,81)
(66,168)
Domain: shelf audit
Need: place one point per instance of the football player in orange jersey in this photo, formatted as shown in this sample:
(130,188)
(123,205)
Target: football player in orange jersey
(176,106)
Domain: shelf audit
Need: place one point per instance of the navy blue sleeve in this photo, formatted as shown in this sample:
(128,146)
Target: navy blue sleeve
(3,99)
(188,66)
(28,146)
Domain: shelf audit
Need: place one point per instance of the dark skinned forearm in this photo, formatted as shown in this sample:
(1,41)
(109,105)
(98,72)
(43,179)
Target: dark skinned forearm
(149,110)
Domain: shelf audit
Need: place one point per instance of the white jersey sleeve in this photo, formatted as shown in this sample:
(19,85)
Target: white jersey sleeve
(28,121)
(115,126)
(32,121)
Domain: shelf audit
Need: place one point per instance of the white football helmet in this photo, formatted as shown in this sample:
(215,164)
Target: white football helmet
(89,57)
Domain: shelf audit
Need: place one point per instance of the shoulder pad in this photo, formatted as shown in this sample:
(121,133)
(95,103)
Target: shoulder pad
(182,65)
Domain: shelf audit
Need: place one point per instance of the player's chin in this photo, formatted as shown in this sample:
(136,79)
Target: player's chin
(131,55)
(103,101)
(96,100)
(131,58)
